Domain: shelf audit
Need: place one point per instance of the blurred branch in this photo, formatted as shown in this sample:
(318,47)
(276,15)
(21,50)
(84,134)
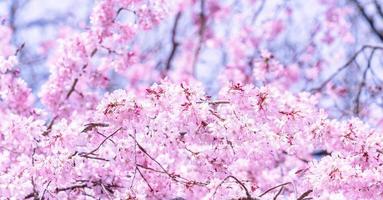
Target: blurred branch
(14,7)
(175,44)
(44,22)
(201,33)
(248,195)
(379,8)
(362,84)
(12,14)
(258,11)
(352,59)
(19,49)
(370,20)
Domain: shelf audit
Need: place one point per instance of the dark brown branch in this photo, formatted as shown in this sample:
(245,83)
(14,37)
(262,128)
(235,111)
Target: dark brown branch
(124,9)
(175,44)
(173,176)
(370,20)
(92,157)
(296,156)
(72,88)
(304,195)
(248,195)
(216,115)
(106,190)
(278,193)
(57,190)
(139,171)
(151,158)
(45,190)
(150,169)
(50,125)
(99,146)
(33,156)
(74,154)
(92,125)
(362,84)
(273,188)
(145,152)
(34,194)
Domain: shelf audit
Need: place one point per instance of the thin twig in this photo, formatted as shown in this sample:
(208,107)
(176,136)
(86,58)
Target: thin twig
(92,157)
(353,57)
(139,171)
(362,84)
(370,20)
(258,11)
(45,190)
(271,189)
(72,88)
(304,195)
(165,171)
(248,195)
(379,8)
(218,102)
(278,193)
(57,190)
(50,125)
(19,49)
(99,146)
(92,125)
(105,190)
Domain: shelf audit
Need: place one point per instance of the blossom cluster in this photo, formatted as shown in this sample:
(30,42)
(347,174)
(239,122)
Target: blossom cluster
(176,142)
(166,135)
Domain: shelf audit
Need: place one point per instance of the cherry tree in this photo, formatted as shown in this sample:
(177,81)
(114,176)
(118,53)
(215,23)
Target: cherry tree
(193,99)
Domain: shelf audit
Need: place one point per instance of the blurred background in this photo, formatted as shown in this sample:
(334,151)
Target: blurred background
(330,48)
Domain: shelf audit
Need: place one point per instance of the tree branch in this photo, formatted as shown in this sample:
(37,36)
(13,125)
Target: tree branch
(369,20)
(99,146)
(304,195)
(362,84)
(175,44)
(50,125)
(258,11)
(248,195)
(57,190)
(201,33)
(378,8)
(72,88)
(275,187)
(352,59)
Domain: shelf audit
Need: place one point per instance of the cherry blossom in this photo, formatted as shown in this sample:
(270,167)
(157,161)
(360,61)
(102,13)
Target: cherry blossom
(128,112)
